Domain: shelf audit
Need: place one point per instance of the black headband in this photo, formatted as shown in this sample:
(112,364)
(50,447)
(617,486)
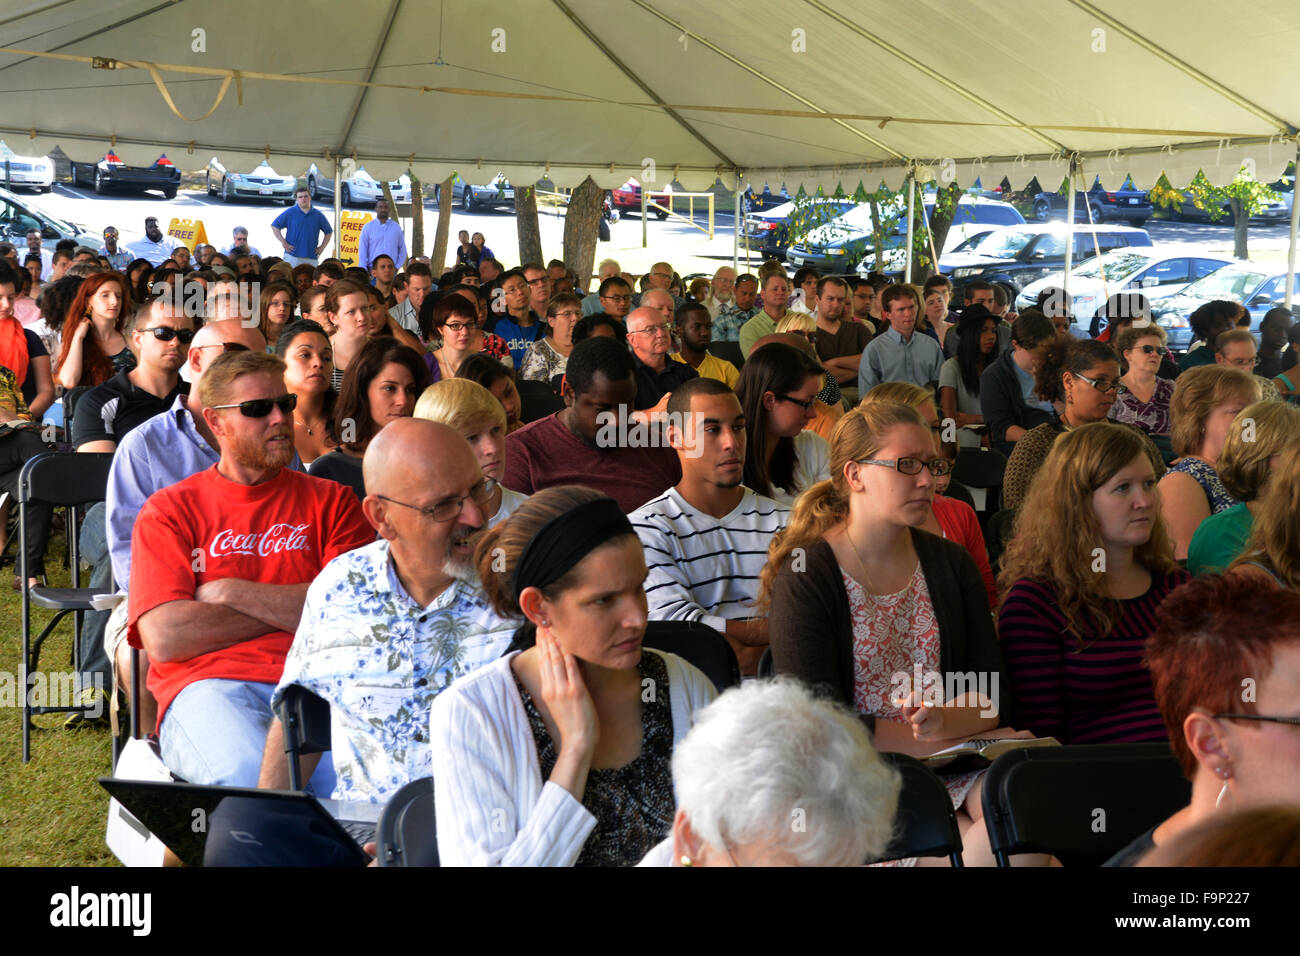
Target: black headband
(566,539)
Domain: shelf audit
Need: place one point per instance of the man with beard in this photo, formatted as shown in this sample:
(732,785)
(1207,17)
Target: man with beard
(220,564)
(156,247)
(840,343)
(721,290)
(389,626)
(706,538)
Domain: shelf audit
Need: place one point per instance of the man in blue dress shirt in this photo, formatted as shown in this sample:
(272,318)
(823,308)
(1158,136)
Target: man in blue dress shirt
(899,354)
(304,226)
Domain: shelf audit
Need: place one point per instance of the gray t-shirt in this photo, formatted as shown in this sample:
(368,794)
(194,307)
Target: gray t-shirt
(967,403)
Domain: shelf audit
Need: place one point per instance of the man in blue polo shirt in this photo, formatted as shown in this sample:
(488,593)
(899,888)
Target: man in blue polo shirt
(304,226)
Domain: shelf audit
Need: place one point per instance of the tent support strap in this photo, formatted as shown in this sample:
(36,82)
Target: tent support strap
(1069,223)
(338,208)
(911,211)
(1290,249)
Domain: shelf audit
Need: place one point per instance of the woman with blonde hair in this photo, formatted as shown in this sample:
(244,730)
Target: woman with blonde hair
(1089,562)
(1273,550)
(1257,436)
(473,411)
(863,602)
(1206,400)
(949,517)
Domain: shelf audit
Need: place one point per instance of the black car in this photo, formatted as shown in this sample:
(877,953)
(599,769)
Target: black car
(1126,205)
(110,173)
(1015,256)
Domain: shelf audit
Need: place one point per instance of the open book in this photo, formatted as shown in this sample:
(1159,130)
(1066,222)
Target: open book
(982,751)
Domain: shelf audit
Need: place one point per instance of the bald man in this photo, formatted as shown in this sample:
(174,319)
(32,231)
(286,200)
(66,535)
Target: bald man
(721,291)
(650,336)
(388,626)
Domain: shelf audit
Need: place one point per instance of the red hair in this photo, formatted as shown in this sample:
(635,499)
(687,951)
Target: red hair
(1214,632)
(96,367)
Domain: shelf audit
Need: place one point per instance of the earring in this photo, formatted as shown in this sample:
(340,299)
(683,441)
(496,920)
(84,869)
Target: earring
(1225,775)
(687,861)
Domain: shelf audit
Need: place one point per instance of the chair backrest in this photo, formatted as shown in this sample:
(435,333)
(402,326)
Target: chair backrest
(959,491)
(979,467)
(407,833)
(537,400)
(926,824)
(1081,803)
(65,479)
(699,645)
(305,718)
(728,352)
(996,535)
(70,399)
(765,666)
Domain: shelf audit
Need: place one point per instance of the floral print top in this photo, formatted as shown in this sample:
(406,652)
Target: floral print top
(1152,417)
(1209,480)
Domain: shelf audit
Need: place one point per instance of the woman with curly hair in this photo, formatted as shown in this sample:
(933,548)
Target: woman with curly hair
(1089,562)
(1273,550)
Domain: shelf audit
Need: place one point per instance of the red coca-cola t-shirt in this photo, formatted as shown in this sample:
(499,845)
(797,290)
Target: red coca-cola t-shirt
(206,527)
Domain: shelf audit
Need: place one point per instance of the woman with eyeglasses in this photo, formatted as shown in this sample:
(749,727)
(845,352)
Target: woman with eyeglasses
(1143,397)
(1088,564)
(383,383)
(1239,751)
(309,364)
(778,390)
(453,320)
(862,601)
(546,357)
(95,347)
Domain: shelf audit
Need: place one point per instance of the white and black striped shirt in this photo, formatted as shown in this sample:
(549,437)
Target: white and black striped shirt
(704,568)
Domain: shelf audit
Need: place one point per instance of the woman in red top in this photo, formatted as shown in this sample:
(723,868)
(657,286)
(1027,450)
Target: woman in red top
(94,346)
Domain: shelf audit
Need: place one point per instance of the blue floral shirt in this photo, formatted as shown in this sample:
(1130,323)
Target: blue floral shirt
(727,323)
(379,660)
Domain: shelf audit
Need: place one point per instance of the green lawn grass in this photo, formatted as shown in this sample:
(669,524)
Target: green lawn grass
(52,812)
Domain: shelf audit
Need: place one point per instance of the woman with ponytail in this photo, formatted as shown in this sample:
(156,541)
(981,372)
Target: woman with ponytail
(560,752)
(862,601)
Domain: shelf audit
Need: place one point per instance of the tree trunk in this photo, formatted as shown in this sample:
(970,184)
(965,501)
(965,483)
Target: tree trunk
(530,234)
(417,216)
(877,235)
(1240,221)
(581,222)
(438,261)
(941,222)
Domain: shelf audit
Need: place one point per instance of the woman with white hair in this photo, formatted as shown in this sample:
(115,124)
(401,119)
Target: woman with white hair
(771,775)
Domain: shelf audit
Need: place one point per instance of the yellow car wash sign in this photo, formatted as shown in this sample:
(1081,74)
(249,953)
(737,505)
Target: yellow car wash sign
(350,235)
(188,231)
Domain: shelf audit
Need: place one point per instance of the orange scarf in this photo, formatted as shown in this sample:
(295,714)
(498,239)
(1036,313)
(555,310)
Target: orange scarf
(13,349)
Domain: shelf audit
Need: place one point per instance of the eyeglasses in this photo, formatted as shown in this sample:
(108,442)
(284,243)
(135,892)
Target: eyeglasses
(792,400)
(568,314)
(1100,384)
(448,508)
(912,466)
(226,346)
(617,298)
(460,326)
(537,280)
(261,407)
(164,334)
(1294,721)
(652,329)
(1153,349)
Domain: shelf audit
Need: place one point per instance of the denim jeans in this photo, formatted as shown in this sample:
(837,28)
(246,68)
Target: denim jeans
(93,543)
(214,733)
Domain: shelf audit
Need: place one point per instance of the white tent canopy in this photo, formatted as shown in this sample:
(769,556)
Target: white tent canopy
(776,91)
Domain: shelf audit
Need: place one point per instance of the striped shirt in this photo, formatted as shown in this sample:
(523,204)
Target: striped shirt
(1101,694)
(704,568)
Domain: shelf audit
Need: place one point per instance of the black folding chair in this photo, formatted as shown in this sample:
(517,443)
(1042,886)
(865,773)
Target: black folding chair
(981,468)
(60,480)
(997,533)
(699,645)
(407,834)
(306,721)
(728,352)
(1081,803)
(926,824)
(537,400)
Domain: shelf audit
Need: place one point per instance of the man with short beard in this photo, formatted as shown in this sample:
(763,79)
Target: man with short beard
(220,564)
(721,290)
(402,617)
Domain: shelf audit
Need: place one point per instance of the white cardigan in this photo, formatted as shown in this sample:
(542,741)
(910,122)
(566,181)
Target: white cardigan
(493,808)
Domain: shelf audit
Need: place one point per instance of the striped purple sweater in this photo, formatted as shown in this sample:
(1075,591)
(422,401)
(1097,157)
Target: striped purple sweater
(1101,694)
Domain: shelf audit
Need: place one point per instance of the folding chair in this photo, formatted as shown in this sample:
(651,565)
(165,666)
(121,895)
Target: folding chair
(537,400)
(407,834)
(926,824)
(996,535)
(1080,803)
(981,468)
(765,666)
(306,721)
(728,352)
(68,481)
(699,645)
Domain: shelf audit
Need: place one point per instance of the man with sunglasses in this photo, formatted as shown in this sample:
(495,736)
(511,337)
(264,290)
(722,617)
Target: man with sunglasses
(650,337)
(117,257)
(220,564)
(401,617)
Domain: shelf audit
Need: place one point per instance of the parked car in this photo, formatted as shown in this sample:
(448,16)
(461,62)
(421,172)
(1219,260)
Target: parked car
(110,173)
(20,216)
(1257,287)
(628,198)
(844,243)
(36,172)
(773,229)
(262,183)
(1279,210)
(1156,271)
(361,188)
(1126,204)
(498,193)
(1016,255)
(751,201)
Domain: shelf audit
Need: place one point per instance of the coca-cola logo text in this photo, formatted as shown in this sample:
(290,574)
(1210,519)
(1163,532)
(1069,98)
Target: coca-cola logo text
(277,539)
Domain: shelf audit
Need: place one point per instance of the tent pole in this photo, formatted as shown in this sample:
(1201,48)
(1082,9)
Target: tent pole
(737,225)
(911,208)
(644,241)
(1290,249)
(338,209)
(1069,227)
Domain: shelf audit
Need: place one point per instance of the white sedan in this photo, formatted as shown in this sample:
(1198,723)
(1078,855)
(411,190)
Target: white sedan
(36,172)
(360,189)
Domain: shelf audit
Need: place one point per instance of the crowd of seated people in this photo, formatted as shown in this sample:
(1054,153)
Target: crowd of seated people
(451,504)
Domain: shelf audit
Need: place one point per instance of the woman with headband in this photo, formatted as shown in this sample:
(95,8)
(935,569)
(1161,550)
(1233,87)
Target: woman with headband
(560,752)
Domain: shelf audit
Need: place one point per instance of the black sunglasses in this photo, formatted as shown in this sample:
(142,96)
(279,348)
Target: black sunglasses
(1153,349)
(164,334)
(261,407)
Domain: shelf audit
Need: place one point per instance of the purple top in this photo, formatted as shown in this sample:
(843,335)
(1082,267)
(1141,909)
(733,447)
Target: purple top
(1153,416)
(1101,694)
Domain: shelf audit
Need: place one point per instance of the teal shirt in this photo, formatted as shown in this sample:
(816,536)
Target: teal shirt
(1219,540)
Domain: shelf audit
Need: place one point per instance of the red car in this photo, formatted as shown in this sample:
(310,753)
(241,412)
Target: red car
(628,198)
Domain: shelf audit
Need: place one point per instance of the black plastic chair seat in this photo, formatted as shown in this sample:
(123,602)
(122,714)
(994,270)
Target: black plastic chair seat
(979,468)
(699,645)
(728,352)
(407,834)
(64,599)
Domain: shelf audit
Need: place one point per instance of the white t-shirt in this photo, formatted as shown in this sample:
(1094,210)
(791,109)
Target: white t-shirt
(813,465)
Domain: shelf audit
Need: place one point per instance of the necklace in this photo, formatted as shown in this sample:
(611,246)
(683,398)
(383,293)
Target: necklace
(310,431)
(858,554)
